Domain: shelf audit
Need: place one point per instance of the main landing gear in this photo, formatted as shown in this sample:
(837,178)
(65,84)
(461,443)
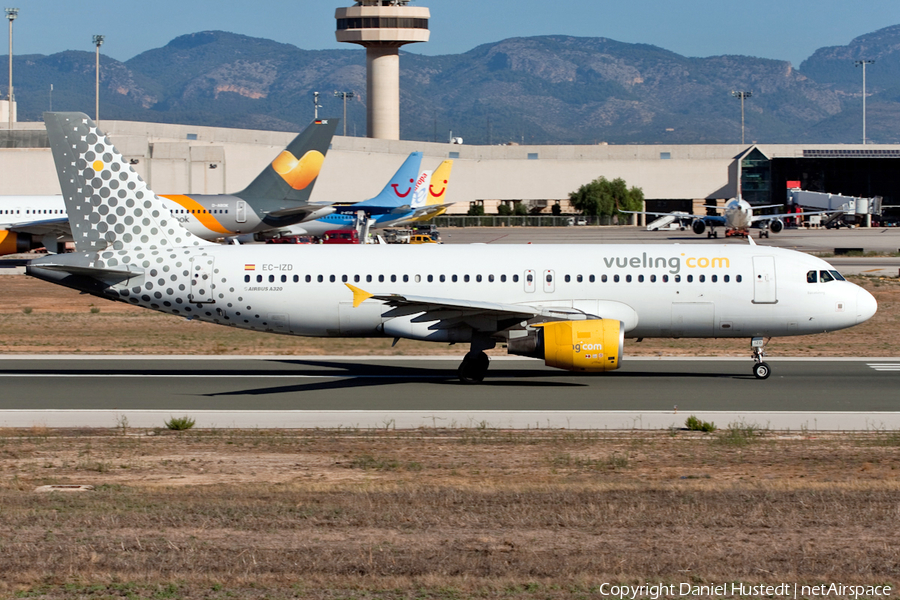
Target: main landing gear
(761,370)
(473,367)
(475,363)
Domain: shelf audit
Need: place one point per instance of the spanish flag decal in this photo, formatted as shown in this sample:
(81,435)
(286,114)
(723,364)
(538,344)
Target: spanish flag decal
(249,267)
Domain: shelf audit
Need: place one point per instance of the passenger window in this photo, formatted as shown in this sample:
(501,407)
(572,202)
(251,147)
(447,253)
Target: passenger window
(591,279)
(308,278)
(259,279)
(653,279)
(810,277)
(640,279)
(453,278)
(737,278)
(430,278)
(320,278)
(515,279)
(616,278)
(356,279)
(678,279)
(466,278)
(825,276)
(418,279)
(271,279)
(714,278)
(529,278)
(579,278)
(246,279)
(702,278)
(503,279)
(665,279)
(603,279)
(690,278)
(628,279)
(568,278)
(478,278)
(343,279)
(393,279)
(368,279)
(549,278)
(331,278)
(443,278)
(726,278)
(491,278)
(406,279)
(381,279)
(284,279)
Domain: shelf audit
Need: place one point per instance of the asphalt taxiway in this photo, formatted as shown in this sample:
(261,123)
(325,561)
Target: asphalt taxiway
(62,391)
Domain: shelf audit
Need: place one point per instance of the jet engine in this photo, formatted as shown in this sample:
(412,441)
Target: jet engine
(699,226)
(15,243)
(590,345)
(776,226)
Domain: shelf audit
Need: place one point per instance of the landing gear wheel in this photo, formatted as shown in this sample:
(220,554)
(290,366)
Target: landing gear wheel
(473,367)
(761,370)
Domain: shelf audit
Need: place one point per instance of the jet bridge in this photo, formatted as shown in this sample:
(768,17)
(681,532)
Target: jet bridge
(847,209)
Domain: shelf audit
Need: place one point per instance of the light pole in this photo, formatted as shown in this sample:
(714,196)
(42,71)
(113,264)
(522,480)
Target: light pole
(11,14)
(98,41)
(863,64)
(743,96)
(344,95)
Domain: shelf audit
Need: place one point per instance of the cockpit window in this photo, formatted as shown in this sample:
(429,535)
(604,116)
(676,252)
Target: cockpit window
(811,277)
(837,276)
(825,276)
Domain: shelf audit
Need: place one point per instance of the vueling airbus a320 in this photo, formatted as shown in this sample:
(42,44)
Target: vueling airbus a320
(571,306)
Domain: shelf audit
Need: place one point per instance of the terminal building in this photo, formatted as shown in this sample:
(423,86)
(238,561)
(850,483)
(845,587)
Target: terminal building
(189,159)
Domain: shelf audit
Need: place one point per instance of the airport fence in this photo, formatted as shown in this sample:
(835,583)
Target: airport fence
(525,221)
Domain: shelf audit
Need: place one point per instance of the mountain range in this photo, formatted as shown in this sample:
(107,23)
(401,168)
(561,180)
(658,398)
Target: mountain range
(533,90)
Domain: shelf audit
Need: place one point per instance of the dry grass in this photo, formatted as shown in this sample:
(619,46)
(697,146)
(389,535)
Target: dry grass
(440,513)
(61,321)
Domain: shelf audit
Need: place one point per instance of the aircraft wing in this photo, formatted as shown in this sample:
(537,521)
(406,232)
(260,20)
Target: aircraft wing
(447,313)
(423,214)
(42,227)
(759,218)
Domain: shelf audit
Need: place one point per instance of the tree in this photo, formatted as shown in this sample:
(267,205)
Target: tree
(476,210)
(504,210)
(520,209)
(604,197)
(556,209)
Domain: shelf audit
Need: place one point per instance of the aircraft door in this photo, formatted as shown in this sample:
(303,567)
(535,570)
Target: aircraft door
(529,280)
(241,212)
(764,280)
(202,268)
(549,281)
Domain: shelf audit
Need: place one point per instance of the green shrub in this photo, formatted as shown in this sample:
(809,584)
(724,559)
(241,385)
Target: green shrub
(180,423)
(695,424)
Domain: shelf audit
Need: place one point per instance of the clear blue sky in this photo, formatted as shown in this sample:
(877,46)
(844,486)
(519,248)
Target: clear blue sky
(781,29)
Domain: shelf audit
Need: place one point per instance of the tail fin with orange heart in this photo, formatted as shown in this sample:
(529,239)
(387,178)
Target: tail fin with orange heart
(289,179)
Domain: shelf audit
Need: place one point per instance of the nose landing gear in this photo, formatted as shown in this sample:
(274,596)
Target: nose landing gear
(761,370)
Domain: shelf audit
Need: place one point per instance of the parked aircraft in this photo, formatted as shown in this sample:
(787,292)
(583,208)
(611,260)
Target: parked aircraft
(277,198)
(406,198)
(737,218)
(571,306)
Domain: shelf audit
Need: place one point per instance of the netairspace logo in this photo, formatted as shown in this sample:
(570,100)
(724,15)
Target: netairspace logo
(782,590)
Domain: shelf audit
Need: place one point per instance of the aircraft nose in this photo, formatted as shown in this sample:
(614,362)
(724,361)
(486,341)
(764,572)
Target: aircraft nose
(866,306)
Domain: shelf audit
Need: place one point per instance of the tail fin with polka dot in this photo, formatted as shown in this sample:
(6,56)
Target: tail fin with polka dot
(109,205)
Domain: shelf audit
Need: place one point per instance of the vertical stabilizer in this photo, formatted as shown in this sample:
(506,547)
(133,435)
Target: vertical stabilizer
(289,179)
(437,187)
(399,190)
(108,204)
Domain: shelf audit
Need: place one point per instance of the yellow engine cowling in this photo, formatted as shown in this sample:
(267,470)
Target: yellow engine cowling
(13,243)
(591,345)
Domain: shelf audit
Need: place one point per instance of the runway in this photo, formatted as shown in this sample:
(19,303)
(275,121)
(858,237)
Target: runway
(378,392)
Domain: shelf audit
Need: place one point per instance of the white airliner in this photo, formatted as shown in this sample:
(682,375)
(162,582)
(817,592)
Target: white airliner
(277,198)
(737,218)
(571,306)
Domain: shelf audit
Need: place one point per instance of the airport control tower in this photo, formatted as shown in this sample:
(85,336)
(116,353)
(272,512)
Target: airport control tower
(382,26)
